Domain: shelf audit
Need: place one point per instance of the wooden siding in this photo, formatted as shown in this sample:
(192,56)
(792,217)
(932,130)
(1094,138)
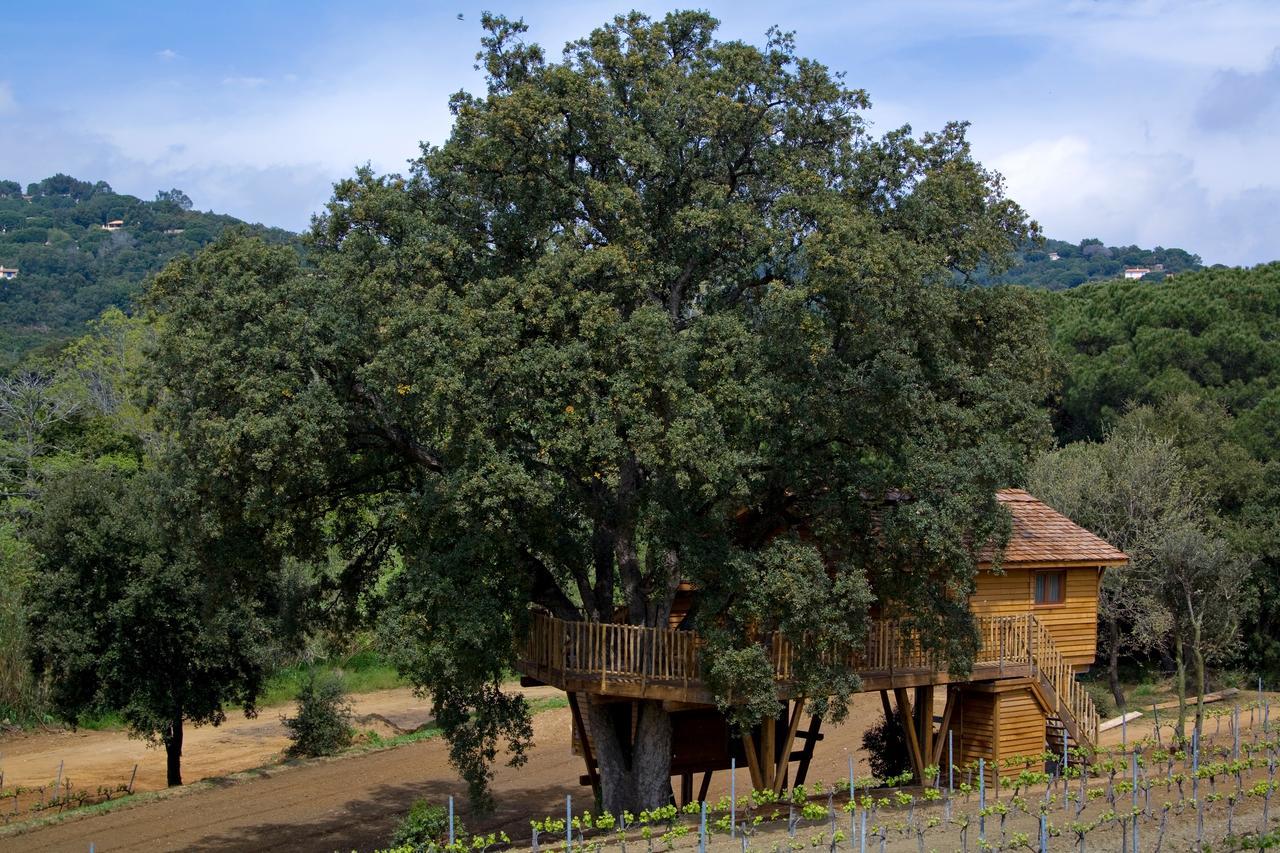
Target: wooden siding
(1072,624)
(998,721)
(974,721)
(1022,727)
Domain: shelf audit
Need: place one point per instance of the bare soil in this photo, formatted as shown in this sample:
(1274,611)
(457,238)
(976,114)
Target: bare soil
(343,804)
(107,758)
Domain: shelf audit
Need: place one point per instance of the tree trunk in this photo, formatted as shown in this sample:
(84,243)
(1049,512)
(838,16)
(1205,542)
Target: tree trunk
(1113,662)
(633,776)
(1197,657)
(1180,662)
(173,752)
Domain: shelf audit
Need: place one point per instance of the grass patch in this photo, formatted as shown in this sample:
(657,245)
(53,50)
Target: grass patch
(102,721)
(548,704)
(363,672)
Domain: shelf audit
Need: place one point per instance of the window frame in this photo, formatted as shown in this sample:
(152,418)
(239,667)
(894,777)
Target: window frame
(1036,586)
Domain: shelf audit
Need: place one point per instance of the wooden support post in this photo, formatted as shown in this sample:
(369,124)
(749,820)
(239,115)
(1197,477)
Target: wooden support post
(924,721)
(706,785)
(909,729)
(941,743)
(784,755)
(768,752)
(810,740)
(884,700)
(686,789)
(578,722)
(753,762)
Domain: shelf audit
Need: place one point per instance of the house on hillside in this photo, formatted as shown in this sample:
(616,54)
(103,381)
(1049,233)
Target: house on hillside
(1054,256)
(8,273)
(1135,273)
(1035,608)
(114,225)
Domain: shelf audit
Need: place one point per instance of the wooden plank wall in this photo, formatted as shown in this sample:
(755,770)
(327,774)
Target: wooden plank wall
(997,721)
(974,724)
(1022,727)
(1073,624)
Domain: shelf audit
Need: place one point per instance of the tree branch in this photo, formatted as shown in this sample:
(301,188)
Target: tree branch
(397,437)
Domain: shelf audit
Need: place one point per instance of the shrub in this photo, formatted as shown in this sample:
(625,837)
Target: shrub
(425,826)
(323,723)
(886,747)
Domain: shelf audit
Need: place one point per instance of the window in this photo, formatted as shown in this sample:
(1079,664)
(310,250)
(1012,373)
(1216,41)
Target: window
(1051,587)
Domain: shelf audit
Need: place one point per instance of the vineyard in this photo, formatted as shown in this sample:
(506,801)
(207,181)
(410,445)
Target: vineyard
(1212,793)
(60,794)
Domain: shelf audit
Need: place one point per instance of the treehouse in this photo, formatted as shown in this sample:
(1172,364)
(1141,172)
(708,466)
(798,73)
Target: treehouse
(1036,613)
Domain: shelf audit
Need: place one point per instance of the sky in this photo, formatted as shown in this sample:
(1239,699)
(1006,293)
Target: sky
(1148,122)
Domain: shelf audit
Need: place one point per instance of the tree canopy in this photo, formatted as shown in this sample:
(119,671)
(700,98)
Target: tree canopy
(1213,332)
(126,615)
(647,306)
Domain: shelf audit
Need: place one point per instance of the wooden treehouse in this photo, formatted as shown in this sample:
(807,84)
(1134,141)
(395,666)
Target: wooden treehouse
(1037,618)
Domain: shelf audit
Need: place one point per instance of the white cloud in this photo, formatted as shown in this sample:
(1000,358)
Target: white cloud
(167,55)
(1078,188)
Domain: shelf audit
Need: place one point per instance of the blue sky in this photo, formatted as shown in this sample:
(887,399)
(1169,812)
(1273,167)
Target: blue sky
(1148,122)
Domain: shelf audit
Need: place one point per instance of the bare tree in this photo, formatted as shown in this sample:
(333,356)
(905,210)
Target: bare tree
(1204,585)
(31,405)
(1131,490)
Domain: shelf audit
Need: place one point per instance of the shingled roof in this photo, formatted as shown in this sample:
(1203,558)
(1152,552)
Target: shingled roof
(1043,536)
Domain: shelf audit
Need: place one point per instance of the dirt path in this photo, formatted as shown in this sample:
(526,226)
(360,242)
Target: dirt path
(107,758)
(353,803)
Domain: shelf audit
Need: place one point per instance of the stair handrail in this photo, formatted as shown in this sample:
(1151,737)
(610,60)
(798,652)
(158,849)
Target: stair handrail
(1046,660)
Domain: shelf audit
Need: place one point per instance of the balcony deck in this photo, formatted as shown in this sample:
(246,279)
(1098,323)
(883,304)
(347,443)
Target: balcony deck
(654,663)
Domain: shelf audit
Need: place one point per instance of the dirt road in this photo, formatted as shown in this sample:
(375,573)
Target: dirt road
(107,758)
(353,803)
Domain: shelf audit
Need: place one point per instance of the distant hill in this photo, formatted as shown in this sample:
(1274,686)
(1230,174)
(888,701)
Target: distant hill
(1057,265)
(79,247)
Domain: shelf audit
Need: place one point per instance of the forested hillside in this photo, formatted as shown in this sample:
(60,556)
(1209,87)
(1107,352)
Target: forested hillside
(1212,333)
(71,267)
(1188,371)
(1058,265)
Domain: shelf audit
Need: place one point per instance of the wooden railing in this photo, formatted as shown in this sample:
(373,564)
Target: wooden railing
(589,653)
(1073,704)
(595,651)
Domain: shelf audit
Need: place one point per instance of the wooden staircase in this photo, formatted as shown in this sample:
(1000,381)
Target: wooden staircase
(1057,689)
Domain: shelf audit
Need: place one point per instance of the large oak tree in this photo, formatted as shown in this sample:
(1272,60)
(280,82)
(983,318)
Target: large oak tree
(646,307)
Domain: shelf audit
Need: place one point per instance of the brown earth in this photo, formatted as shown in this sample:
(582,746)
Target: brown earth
(93,758)
(348,803)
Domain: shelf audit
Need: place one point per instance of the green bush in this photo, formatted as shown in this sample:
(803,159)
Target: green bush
(886,748)
(323,723)
(425,826)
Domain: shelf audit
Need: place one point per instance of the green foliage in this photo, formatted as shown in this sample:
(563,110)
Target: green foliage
(21,696)
(696,285)
(886,747)
(323,722)
(1214,332)
(1200,357)
(85,269)
(127,612)
(425,826)
(363,672)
